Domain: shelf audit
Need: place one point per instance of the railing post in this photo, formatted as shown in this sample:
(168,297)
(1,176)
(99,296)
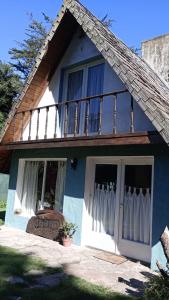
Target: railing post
(132,116)
(46,123)
(86,129)
(100,115)
(37,125)
(30,125)
(22,124)
(55,130)
(76,118)
(65,120)
(114,114)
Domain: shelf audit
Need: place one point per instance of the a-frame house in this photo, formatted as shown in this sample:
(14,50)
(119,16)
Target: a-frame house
(89,137)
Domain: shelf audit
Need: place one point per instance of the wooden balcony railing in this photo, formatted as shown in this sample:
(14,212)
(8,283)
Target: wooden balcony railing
(75,118)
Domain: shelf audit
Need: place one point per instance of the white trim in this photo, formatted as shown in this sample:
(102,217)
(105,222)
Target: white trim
(121,161)
(20,178)
(43,159)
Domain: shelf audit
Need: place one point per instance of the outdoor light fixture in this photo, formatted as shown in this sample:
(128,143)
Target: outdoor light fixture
(73,163)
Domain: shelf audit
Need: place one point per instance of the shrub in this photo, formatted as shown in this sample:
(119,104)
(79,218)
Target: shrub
(157,288)
(1,222)
(2,204)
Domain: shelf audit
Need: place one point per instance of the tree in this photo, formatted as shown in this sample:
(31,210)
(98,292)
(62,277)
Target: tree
(107,21)
(24,55)
(10,86)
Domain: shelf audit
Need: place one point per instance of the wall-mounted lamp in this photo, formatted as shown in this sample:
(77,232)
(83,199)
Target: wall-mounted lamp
(74,163)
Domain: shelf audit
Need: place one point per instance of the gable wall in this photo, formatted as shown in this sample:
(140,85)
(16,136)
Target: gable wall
(81,49)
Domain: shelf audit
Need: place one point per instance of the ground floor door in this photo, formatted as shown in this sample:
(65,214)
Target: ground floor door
(118,202)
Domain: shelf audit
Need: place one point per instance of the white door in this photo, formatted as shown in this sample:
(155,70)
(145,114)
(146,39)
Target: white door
(135,210)
(118,206)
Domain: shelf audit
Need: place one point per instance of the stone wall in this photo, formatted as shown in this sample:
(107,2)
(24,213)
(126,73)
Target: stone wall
(156,53)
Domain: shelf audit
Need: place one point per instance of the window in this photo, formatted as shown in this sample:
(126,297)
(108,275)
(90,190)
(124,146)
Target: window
(81,82)
(43,185)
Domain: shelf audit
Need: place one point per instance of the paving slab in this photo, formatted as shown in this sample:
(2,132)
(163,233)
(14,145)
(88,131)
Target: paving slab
(128,277)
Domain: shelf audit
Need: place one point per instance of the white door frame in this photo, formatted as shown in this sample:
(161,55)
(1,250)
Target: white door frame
(121,161)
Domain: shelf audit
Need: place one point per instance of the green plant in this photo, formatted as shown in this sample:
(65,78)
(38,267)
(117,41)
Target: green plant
(2,204)
(1,222)
(157,288)
(67,230)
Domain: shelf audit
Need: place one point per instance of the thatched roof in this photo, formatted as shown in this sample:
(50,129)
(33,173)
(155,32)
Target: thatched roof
(147,88)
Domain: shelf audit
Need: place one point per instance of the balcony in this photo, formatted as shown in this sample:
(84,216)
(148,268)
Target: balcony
(112,118)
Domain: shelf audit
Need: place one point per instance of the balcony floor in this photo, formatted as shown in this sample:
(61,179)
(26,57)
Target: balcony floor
(139,138)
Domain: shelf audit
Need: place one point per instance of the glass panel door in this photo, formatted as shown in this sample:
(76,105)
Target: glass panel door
(102,207)
(135,211)
(137,204)
(74,92)
(95,87)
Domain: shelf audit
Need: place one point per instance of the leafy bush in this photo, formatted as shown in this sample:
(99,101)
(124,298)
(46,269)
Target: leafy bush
(1,222)
(157,288)
(2,204)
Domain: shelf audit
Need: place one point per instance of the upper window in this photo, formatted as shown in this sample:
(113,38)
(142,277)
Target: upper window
(81,82)
(43,185)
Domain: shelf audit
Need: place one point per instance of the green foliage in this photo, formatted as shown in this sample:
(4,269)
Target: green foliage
(10,86)
(135,50)
(25,53)
(1,222)
(157,288)
(2,204)
(107,21)
(67,230)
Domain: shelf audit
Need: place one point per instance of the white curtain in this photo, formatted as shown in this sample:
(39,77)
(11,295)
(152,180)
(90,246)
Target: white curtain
(30,187)
(60,181)
(102,208)
(95,87)
(136,215)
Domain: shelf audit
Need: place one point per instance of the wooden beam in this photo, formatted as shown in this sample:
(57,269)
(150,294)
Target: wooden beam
(144,138)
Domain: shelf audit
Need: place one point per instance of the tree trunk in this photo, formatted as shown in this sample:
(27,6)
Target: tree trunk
(165,243)
(161,270)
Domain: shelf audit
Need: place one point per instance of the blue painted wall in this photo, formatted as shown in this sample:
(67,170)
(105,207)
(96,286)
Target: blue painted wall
(75,181)
(160,205)
(74,189)
(74,196)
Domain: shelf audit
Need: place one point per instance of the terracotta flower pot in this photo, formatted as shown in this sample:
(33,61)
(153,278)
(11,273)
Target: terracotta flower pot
(66,241)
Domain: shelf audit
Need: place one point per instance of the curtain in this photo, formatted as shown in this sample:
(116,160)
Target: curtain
(30,187)
(60,180)
(136,215)
(75,82)
(102,208)
(95,87)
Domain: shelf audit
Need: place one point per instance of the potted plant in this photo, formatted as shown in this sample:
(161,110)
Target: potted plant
(66,232)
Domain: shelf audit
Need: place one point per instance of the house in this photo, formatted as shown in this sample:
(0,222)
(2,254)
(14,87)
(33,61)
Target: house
(89,137)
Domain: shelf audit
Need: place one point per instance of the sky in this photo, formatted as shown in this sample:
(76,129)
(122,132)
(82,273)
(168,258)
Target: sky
(134,20)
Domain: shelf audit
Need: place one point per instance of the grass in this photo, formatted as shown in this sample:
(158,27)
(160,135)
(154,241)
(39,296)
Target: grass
(13,263)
